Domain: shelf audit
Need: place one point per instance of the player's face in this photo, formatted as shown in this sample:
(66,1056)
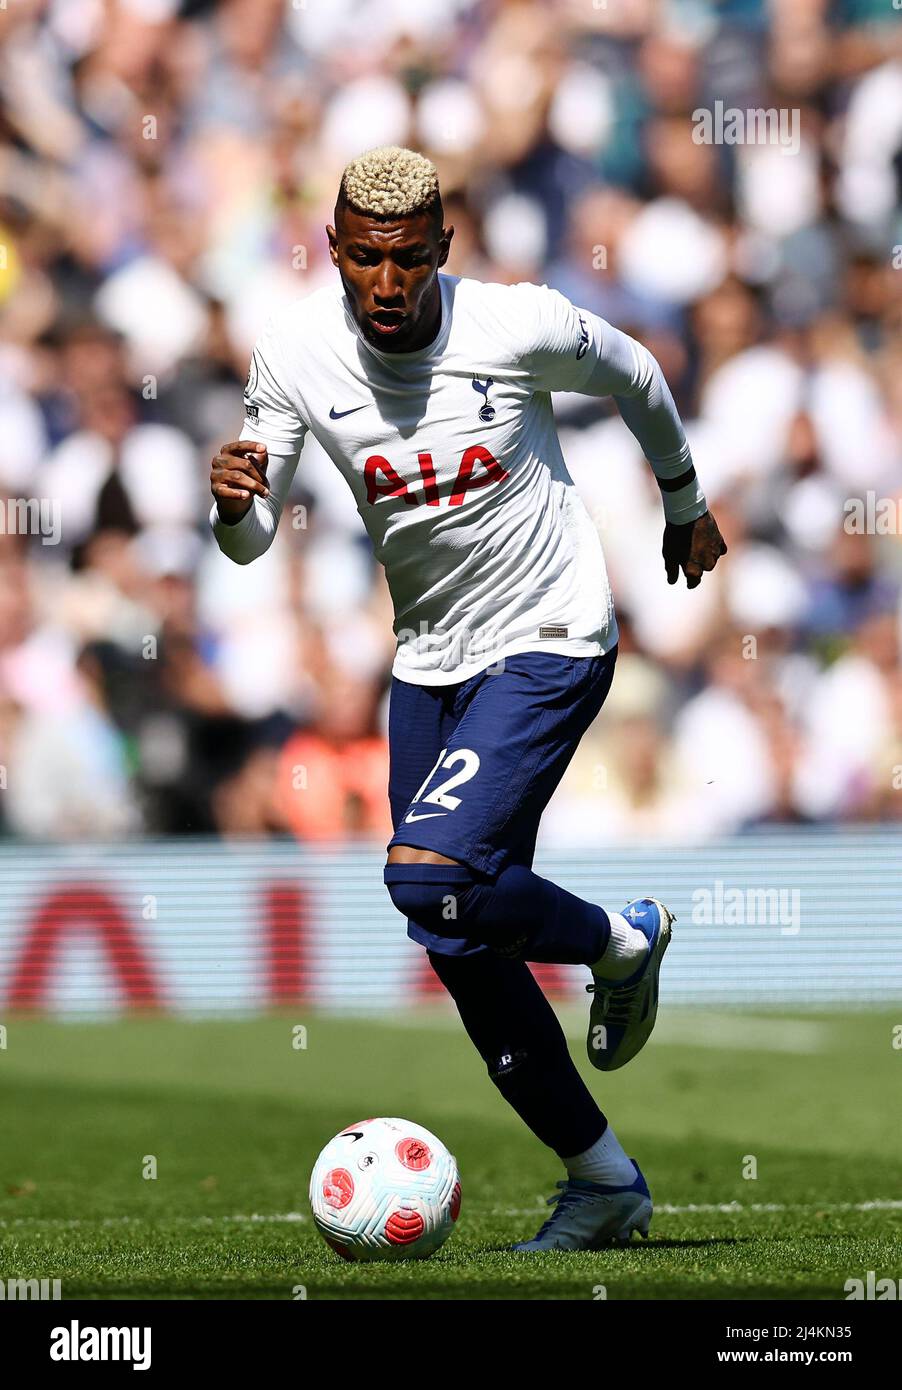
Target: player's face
(390,274)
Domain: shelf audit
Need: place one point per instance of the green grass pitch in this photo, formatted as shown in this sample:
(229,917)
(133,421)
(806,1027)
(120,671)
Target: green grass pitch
(235,1116)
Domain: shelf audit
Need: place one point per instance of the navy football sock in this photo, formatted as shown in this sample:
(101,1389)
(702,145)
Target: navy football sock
(517,1034)
(516,913)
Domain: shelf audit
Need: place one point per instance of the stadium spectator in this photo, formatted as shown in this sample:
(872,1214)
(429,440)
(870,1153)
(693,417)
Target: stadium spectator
(166,171)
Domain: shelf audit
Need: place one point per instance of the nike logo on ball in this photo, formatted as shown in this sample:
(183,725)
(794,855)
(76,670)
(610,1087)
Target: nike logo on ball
(340,414)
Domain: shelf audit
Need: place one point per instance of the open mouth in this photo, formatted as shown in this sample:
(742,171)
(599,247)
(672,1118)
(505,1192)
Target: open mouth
(387,321)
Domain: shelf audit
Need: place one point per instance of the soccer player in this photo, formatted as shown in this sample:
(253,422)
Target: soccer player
(431,394)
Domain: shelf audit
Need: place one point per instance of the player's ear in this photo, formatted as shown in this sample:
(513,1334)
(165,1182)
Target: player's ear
(333,244)
(444,245)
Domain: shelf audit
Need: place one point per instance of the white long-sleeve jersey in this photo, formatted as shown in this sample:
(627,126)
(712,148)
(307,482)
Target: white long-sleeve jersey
(453,458)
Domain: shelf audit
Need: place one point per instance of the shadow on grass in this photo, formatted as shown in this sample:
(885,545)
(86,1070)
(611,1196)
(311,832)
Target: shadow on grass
(631,1247)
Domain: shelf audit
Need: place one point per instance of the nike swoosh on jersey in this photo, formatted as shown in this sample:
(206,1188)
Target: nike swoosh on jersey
(340,414)
(412,816)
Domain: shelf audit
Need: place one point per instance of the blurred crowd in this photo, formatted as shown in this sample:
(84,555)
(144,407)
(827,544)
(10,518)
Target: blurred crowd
(166,172)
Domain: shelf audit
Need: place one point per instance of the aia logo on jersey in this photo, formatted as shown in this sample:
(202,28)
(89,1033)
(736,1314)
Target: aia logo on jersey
(477,469)
(486,411)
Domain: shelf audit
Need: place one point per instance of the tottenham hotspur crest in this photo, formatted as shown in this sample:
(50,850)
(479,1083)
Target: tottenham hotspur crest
(486,411)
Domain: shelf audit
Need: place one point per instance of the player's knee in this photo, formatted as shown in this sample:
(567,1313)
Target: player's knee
(433,895)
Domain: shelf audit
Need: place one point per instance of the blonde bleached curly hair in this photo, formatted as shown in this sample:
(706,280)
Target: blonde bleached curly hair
(390,182)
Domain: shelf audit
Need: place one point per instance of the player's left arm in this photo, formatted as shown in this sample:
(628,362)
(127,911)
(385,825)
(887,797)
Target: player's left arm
(578,351)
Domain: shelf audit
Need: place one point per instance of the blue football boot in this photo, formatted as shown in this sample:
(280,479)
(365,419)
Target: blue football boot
(591,1215)
(623,1012)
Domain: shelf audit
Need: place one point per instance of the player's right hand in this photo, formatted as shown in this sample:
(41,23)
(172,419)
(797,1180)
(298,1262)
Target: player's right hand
(237,474)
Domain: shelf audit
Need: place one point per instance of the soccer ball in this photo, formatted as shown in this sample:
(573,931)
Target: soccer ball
(385,1190)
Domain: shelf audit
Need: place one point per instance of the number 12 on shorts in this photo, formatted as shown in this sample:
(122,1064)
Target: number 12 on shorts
(441,795)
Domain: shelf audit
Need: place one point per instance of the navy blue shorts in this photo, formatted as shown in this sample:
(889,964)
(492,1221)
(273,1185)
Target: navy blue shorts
(474,765)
